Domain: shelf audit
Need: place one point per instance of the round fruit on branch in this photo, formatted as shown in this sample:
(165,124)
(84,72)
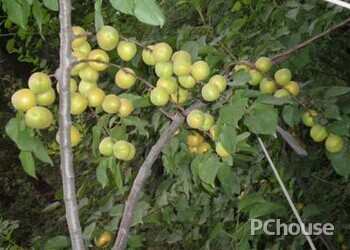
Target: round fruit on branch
(23,99)
(126,50)
(39,82)
(75,136)
(125,78)
(111,104)
(107,38)
(38,118)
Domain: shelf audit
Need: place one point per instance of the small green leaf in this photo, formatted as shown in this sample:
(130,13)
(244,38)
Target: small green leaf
(98,15)
(228,138)
(233,112)
(208,168)
(340,161)
(141,211)
(18,12)
(51,4)
(336,91)
(240,78)
(28,163)
(229,180)
(119,133)
(291,115)
(148,11)
(262,119)
(40,152)
(124,6)
(58,242)
(101,173)
(116,173)
(39,14)
(140,125)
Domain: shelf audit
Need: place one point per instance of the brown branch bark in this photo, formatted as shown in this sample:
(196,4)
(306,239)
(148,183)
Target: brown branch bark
(67,172)
(142,176)
(285,55)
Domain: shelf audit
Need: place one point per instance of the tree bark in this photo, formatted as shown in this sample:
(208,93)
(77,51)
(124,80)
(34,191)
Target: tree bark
(67,172)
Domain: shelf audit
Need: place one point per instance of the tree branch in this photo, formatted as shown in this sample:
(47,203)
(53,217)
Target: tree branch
(285,55)
(142,176)
(67,172)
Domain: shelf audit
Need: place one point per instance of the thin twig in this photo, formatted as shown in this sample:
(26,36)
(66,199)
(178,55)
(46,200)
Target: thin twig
(143,175)
(67,172)
(134,41)
(285,55)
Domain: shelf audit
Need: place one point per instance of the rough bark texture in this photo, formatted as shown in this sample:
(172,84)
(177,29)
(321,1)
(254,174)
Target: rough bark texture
(67,171)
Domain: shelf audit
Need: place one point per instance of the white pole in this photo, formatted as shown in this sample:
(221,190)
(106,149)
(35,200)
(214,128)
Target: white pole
(289,199)
(340,3)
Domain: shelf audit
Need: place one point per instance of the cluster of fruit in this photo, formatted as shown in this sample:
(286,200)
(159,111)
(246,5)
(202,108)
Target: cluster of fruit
(319,133)
(280,86)
(196,143)
(122,150)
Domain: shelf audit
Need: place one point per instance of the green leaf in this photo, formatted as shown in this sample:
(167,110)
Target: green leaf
(88,230)
(28,163)
(267,208)
(340,161)
(58,242)
(229,180)
(228,137)
(233,112)
(98,15)
(115,170)
(148,11)
(18,11)
(140,125)
(268,99)
(336,91)
(208,168)
(141,211)
(119,133)
(39,14)
(291,115)
(12,129)
(101,173)
(40,152)
(138,101)
(240,78)
(124,6)
(262,119)
(51,4)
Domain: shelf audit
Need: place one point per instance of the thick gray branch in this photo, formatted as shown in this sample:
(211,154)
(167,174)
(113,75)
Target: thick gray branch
(67,171)
(142,176)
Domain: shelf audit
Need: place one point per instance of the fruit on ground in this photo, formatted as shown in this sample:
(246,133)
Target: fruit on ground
(147,56)
(123,150)
(106,146)
(73,86)
(159,96)
(38,117)
(334,143)
(107,38)
(280,93)
(195,119)
(255,77)
(95,97)
(309,118)
(200,70)
(79,36)
(213,131)
(219,81)
(267,86)
(75,136)
(101,56)
(263,64)
(104,239)
(182,55)
(208,122)
(88,74)
(47,98)
(169,84)
(283,76)
(126,107)
(23,99)
(293,88)
(182,67)
(180,96)
(162,52)
(203,148)
(194,140)
(125,78)
(126,50)
(164,69)
(221,151)
(85,87)
(79,104)
(187,81)
(111,104)
(210,92)
(39,82)
(318,133)
(84,48)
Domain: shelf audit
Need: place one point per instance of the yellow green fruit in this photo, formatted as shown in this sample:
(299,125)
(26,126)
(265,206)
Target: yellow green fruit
(23,99)
(39,82)
(268,86)
(181,68)
(334,143)
(208,122)
(263,64)
(283,77)
(47,98)
(182,55)
(194,140)
(107,38)
(85,87)
(106,146)
(164,69)
(159,96)
(195,119)
(125,78)
(99,59)
(79,104)
(75,136)
(169,84)
(293,88)
(126,50)
(210,92)
(123,150)
(162,52)
(318,133)
(126,107)
(203,148)
(38,118)
(255,77)
(111,104)
(309,118)
(95,97)
(104,239)
(219,81)
(73,86)
(221,151)
(187,81)
(200,70)
(79,36)
(84,48)
(180,96)
(280,93)
(88,74)
(147,56)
